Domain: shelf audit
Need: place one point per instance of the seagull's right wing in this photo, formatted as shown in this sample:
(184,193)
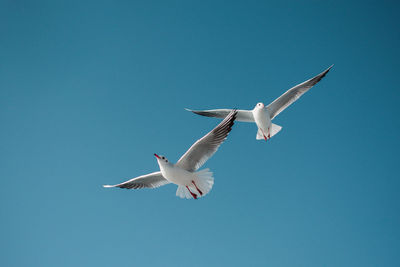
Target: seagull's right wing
(151,180)
(294,93)
(242,115)
(205,147)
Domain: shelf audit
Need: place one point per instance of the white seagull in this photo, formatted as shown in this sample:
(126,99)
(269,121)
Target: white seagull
(190,182)
(263,115)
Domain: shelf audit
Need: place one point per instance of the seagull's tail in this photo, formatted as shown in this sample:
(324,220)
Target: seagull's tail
(274,130)
(201,186)
(204,181)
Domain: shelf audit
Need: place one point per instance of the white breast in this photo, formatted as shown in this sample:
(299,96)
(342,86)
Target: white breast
(262,119)
(176,175)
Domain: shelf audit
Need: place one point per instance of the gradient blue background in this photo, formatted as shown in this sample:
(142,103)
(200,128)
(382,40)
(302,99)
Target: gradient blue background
(89,90)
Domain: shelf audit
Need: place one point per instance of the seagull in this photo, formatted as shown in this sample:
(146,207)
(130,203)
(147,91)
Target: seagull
(263,115)
(191,183)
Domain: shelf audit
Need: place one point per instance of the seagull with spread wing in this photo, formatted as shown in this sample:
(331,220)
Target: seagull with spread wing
(190,182)
(263,115)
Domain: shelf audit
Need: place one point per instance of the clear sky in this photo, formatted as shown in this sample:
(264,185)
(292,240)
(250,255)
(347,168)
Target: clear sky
(89,90)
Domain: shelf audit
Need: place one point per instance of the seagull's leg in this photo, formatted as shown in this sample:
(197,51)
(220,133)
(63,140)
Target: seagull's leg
(193,195)
(266,137)
(201,193)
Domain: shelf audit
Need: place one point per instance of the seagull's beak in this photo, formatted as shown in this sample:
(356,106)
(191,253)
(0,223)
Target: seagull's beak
(157,156)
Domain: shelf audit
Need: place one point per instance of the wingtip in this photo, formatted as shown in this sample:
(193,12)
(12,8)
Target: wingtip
(233,115)
(107,186)
(322,74)
(235,111)
(328,69)
(188,109)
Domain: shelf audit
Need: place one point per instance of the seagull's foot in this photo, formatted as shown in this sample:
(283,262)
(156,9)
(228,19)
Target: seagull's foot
(201,193)
(193,194)
(266,139)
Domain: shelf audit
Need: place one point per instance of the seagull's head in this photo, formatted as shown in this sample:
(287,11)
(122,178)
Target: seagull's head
(161,159)
(259,106)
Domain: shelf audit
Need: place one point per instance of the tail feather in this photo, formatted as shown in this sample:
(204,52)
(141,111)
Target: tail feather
(273,131)
(182,192)
(204,181)
(260,134)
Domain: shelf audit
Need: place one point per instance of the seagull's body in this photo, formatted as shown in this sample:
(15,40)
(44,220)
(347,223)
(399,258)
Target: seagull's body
(191,183)
(175,174)
(263,115)
(262,120)
(188,182)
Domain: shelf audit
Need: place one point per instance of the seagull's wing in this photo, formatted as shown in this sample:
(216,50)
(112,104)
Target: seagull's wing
(242,115)
(151,180)
(293,94)
(205,147)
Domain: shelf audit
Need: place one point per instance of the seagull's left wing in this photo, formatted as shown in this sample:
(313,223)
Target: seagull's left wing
(242,115)
(205,147)
(293,94)
(151,180)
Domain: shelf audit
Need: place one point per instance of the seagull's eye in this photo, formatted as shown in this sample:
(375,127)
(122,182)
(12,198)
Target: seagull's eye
(163,157)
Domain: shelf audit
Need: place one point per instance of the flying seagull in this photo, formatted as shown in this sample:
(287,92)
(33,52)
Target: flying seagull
(263,115)
(190,182)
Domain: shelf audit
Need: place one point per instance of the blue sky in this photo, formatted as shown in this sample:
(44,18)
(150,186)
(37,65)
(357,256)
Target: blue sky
(89,90)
